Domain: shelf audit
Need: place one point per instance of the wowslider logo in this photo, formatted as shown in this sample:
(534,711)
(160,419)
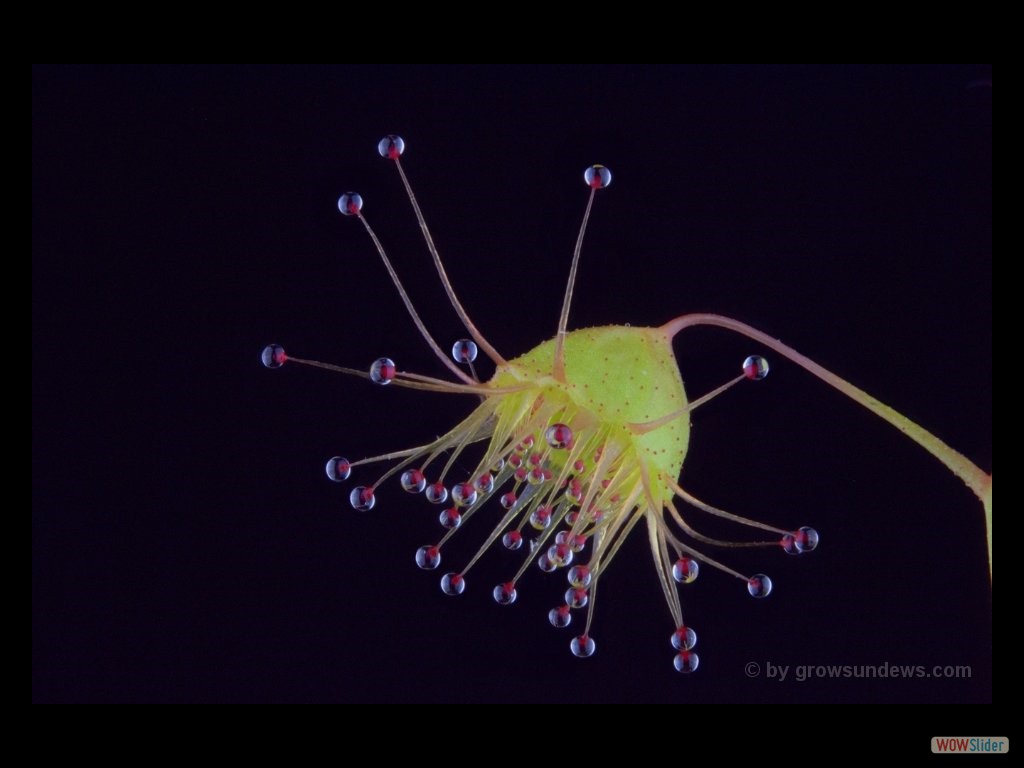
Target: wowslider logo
(972,745)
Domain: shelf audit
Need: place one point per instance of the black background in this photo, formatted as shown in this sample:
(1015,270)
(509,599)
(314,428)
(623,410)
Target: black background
(186,546)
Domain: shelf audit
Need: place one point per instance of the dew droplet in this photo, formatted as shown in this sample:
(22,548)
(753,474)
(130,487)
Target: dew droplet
(391,146)
(485,483)
(576,597)
(560,617)
(583,646)
(512,540)
(428,557)
(536,476)
(759,585)
(508,500)
(505,594)
(464,351)
(453,584)
(273,356)
(464,494)
(544,562)
(684,638)
(686,662)
(450,518)
(413,481)
(579,576)
(338,469)
(436,493)
(362,499)
(685,570)
(382,371)
(540,518)
(498,465)
(805,539)
(558,435)
(755,367)
(597,177)
(350,204)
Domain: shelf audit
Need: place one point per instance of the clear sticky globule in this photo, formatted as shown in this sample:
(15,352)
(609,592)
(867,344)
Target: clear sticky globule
(338,469)
(464,351)
(560,555)
(512,540)
(545,564)
(540,518)
(453,584)
(685,570)
(505,594)
(560,617)
(686,662)
(759,585)
(597,177)
(450,518)
(805,539)
(413,481)
(755,367)
(428,557)
(575,542)
(558,436)
(273,356)
(576,597)
(583,646)
(684,638)
(391,147)
(464,494)
(574,491)
(579,576)
(485,483)
(436,493)
(350,204)
(382,371)
(362,499)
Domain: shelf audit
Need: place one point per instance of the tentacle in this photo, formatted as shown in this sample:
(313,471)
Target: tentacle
(973,476)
